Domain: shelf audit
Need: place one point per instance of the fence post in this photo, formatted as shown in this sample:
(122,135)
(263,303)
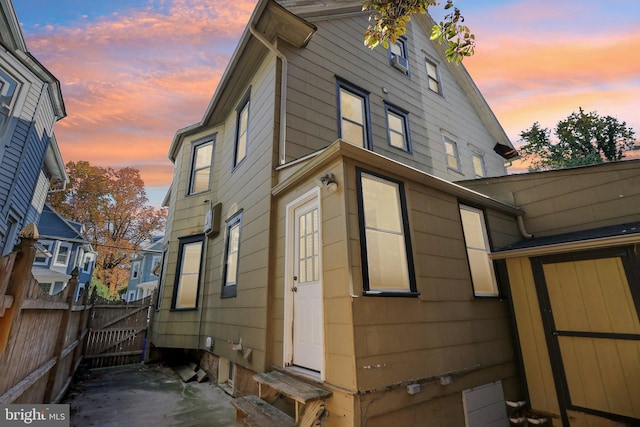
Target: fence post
(17,287)
(152,311)
(72,285)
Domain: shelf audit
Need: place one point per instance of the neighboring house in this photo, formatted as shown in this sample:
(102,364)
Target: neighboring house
(313,228)
(575,289)
(30,104)
(145,268)
(63,247)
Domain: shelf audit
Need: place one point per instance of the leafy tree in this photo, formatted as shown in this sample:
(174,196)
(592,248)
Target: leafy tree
(388,21)
(581,139)
(112,204)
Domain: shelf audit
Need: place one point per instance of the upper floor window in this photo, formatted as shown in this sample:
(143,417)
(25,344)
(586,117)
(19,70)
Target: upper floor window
(398,128)
(86,262)
(42,257)
(399,55)
(478,165)
(155,265)
(353,115)
(451,152)
(433,77)
(478,249)
(387,261)
(135,269)
(201,164)
(242,130)
(62,255)
(231,257)
(187,281)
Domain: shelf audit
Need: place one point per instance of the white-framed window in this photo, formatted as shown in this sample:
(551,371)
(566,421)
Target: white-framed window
(242,130)
(385,244)
(62,254)
(353,113)
(155,260)
(433,77)
(451,153)
(478,165)
(41,258)
(398,127)
(231,256)
(476,240)
(87,261)
(135,269)
(201,165)
(187,282)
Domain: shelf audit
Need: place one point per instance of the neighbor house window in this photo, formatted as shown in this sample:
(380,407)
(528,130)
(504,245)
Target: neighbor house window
(231,256)
(398,128)
(451,152)
(201,164)
(135,270)
(86,264)
(478,165)
(63,253)
(155,265)
(433,77)
(41,257)
(353,115)
(187,281)
(478,250)
(399,55)
(242,130)
(387,261)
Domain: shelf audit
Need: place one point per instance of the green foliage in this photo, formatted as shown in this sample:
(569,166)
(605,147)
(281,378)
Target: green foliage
(388,21)
(581,139)
(102,290)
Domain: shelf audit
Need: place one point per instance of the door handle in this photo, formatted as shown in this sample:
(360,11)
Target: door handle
(294,289)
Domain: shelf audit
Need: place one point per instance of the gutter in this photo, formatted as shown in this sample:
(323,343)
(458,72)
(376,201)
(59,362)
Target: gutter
(282,141)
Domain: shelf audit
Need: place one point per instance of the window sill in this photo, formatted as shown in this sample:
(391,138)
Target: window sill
(401,294)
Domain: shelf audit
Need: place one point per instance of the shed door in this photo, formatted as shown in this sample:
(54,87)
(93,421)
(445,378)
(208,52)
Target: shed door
(307,288)
(591,319)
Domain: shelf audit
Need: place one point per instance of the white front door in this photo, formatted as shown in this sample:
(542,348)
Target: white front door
(306,289)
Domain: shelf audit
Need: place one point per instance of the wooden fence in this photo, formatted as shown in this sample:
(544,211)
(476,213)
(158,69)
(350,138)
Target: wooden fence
(117,332)
(41,335)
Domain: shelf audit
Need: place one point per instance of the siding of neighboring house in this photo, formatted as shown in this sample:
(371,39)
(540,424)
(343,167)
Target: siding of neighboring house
(337,50)
(570,200)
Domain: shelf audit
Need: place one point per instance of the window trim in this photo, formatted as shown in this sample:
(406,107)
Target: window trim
(231,290)
(437,79)
(43,243)
(404,48)
(446,137)
(482,165)
(404,117)
(412,291)
(90,261)
(135,269)
(163,275)
(488,249)
(342,84)
(245,103)
(195,146)
(182,242)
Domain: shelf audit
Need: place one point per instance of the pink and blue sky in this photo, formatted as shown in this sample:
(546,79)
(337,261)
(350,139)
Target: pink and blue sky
(135,71)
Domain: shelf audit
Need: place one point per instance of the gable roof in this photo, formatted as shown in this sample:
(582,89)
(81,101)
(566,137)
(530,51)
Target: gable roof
(53,226)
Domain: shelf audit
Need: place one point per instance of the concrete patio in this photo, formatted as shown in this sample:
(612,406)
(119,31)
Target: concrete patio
(146,395)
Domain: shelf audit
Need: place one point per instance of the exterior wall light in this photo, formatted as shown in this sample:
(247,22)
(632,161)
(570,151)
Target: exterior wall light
(329,181)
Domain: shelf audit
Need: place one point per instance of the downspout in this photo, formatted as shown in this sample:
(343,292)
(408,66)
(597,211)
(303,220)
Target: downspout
(521,227)
(283,92)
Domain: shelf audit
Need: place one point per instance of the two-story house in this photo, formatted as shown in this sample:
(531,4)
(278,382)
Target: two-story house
(314,229)
(62,247)
(30,104)
(145,268)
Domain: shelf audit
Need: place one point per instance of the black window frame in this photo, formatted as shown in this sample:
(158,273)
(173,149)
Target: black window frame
(342,84)
(230,291)
(404,116)
(245,103)
(367,291)
(196,145)
(402,43)
(182,241)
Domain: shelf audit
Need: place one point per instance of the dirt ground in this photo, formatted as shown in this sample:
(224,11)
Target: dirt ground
(146,395)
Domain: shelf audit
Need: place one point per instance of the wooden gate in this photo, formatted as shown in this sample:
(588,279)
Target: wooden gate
(117,332)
